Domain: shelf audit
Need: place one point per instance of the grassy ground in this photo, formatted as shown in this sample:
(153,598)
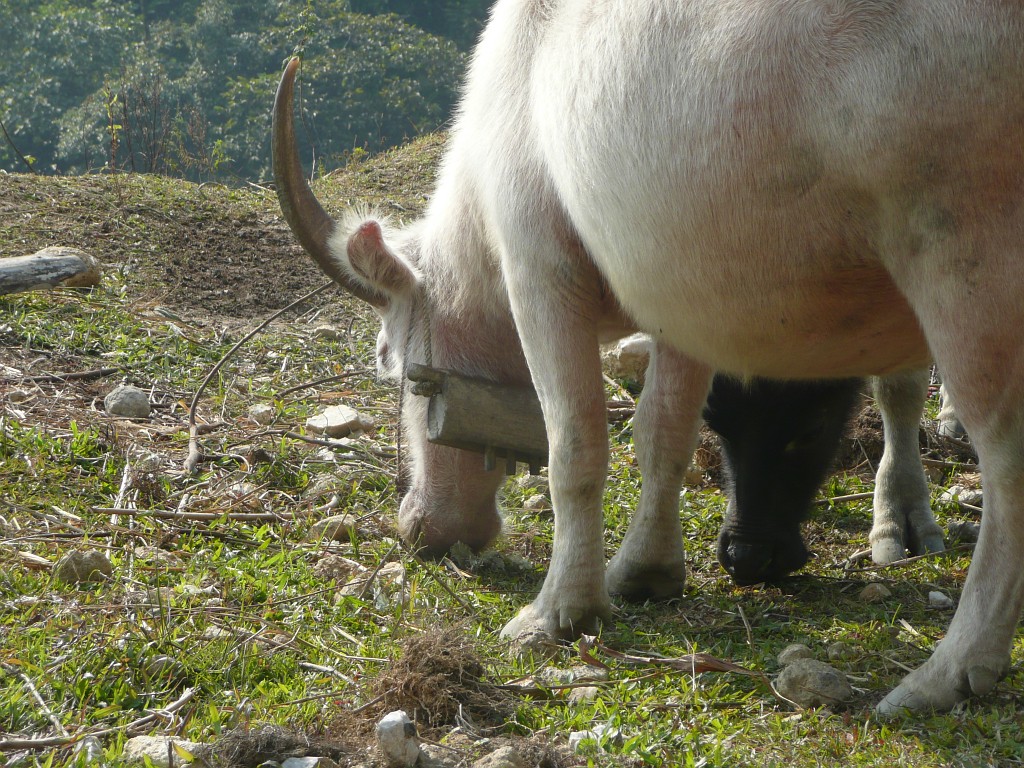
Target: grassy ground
(226,607)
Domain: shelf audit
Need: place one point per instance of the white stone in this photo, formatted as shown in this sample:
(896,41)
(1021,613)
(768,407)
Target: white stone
(599,734)
(333,528)
(530,482)
(793,653)
(396,737)
(811,683)
(586,693)
(89,750)
(156,748)
(962,494)
(938,599)
(262,413)
(339,421)
(329,332)
(537,503)
(308,762)
(127,401)
(627,359)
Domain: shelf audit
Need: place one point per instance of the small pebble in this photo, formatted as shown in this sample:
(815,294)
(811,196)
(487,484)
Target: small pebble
(938,599)
(537,503)
(503,757)
(793,653)
(83,567)
(580,695)
(329,332)
(262,414)
(840,651)
(875,592)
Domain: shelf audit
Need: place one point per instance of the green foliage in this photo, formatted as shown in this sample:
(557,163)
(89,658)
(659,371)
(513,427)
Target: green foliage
(186,88)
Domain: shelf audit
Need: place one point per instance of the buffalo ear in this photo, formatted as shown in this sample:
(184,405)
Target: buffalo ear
(374,262)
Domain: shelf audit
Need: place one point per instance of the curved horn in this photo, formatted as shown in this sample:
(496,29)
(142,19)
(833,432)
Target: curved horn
(308,220)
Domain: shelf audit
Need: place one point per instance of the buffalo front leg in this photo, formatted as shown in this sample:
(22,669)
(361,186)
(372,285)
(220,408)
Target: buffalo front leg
(651,563)
(558,328)
(903,517)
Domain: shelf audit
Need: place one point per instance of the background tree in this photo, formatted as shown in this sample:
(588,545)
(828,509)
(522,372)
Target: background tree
(185,87)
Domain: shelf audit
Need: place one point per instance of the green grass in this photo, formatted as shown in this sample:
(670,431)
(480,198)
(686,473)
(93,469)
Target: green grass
(259,634)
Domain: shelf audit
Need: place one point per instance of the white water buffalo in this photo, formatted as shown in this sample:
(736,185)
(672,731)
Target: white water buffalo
(788,188)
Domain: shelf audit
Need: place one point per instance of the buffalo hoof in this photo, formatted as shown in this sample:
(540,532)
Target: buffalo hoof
(920,538)
(640,582)
(545,622)
(939,688)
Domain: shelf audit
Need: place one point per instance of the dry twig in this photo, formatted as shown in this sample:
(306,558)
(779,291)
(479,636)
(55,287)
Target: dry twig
(195,453)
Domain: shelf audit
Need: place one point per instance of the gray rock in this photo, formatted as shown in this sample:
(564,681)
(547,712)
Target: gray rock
(437,756)
(875,592)
(938,599)
(397,739)
(504,757)
(582,673)
(811,683)
(136,751)
(966,531)
(529,482)
(82,567)
(164,668)
(793,653)
(127,401)
(339,421)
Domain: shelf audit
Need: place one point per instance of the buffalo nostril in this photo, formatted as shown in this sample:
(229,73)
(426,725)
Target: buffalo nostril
(747,563)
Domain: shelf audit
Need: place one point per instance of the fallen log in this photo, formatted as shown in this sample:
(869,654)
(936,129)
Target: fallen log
(48,268)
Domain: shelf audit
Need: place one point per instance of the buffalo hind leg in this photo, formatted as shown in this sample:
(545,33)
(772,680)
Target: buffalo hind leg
(972,317)
(903,517)
(651,562)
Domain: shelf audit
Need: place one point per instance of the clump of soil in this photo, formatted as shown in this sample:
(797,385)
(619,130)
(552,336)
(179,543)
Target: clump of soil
(440,677)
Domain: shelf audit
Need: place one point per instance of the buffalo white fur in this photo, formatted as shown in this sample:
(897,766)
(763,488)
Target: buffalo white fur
(789,188)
